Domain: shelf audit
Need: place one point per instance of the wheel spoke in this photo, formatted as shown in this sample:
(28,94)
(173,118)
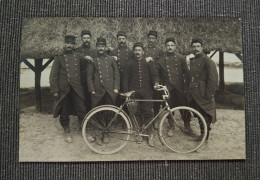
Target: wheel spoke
(181,130)
(105,131)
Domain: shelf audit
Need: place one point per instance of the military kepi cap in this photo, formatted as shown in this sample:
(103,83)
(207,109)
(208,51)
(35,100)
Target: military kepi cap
(169,39)
(85,32)
(138,44)
(101,41)
(121,33)
(153,33)
(70,39)
(196,40)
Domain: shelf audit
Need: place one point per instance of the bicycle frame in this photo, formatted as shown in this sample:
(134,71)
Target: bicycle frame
(132,117)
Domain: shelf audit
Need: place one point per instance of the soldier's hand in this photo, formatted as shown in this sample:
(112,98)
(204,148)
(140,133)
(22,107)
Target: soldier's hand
(115,57)
(156,86)
(148,59)
(115,90)
(88,58)
(56,95)
(93,92)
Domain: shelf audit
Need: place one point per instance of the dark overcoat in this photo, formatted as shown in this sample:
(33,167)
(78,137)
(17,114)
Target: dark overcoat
(123,55)
(103,77)
(153,51)
(65,74)
(85,51)
(140,75)
(204,82)
(173,71)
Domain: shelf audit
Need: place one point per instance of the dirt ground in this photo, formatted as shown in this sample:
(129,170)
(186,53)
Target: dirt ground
(41,138)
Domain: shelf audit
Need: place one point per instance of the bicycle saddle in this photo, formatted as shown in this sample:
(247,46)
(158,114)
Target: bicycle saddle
(127,94)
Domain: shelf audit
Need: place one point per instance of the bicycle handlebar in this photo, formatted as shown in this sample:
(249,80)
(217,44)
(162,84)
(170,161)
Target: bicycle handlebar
(162,88)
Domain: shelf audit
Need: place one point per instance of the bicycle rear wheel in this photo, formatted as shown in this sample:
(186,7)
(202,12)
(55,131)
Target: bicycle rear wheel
(105,130)
(183,130)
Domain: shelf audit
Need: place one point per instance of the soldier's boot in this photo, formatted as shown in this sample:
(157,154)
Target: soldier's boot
(199,138)
(156,124)
(187,128)
(172,128)
(150,137)
(150,140)
(207,137)
(91,138)
(106,139)
(139,139)
(80,120)
(64,121)
(68,138)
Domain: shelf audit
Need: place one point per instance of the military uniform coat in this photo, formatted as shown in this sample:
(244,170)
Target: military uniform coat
(123,55)
(65,74)
(204,82)
(103,77)
(85,51)
(154,52)
(140,75)
(173,71)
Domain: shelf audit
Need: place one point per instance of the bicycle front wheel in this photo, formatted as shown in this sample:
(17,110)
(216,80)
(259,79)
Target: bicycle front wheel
(105,130)
(183,129)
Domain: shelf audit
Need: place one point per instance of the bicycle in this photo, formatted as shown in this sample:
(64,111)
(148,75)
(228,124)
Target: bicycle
(114,123)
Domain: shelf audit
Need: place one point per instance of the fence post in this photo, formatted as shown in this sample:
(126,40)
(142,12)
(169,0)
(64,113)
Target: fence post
(38,96)
(221,72)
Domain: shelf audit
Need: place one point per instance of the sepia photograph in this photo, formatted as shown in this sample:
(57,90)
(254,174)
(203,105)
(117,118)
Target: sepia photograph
(127,89)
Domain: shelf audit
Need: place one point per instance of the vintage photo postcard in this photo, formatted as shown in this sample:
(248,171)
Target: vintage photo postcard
(117,89)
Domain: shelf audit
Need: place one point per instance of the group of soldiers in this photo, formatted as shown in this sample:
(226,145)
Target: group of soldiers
(84,78)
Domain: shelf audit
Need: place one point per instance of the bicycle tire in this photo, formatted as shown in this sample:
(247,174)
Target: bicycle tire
(96,127)
(176,137)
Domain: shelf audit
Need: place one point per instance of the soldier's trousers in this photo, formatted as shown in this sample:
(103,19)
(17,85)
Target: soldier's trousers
(144,112)
(176,99)
(105,99)
(72,100)
(207,117)
(87,99)
(156,105)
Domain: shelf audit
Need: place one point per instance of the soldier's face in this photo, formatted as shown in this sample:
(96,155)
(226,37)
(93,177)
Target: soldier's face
(101,48)
(170,47)
(138,51)
(152,39)
(197,48)
(69,46)
(121,40)
(86,39)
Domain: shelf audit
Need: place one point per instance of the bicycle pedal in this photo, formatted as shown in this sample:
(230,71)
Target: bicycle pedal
(99,142)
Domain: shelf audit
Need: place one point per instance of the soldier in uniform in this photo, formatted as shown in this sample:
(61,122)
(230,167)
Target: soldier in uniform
(66,86)
(204,82)
(174,73)
(122,54)
(87,54)
(153,51)
(141,76)
(103,77)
